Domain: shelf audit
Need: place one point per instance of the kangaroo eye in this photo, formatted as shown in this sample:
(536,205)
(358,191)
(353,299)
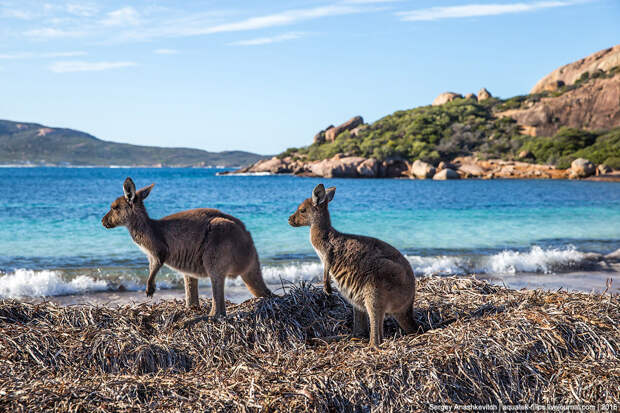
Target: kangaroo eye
(303,210)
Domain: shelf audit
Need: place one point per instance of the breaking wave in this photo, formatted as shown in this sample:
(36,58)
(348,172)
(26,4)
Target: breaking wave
(536,260)
(44,283)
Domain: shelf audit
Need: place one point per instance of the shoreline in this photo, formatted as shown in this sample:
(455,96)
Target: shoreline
(590,282)
(466,167)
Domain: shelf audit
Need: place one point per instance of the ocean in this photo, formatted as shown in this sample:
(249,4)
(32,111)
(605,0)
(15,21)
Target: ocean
(521,233)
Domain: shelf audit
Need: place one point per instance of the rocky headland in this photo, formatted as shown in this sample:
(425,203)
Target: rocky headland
(568,127)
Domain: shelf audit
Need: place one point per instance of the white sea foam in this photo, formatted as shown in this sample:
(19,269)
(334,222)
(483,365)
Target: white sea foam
(537,259)
(293,272)
(45,283)
(28,283)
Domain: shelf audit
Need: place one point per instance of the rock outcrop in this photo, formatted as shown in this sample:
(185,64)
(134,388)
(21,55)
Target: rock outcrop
(484,94)
(338,167)
(471,96)
(331,133)
(446,174)
(341,166)
(470,170)
(582,168)
(422,170)
(319,138)
(446,97)
(273,166)
(593,106)
(568,74)
(603,169)
(368,168)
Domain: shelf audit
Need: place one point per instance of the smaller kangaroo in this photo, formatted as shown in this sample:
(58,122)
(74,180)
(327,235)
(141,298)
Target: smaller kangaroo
(198,243)
(372,275)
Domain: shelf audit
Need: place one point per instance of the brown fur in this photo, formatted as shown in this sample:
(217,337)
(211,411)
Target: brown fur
(372,275)
(198,243)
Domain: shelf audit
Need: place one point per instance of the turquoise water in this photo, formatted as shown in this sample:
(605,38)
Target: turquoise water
(52,241)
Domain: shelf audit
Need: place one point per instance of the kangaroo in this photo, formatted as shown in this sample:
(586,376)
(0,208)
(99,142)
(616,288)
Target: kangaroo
(198,243)
(372,275)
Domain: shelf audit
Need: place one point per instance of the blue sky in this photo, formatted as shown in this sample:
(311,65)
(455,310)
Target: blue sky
(265,75)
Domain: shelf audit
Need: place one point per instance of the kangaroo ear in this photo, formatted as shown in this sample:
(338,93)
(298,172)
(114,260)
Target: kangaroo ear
(318,194)
(330,193)
(144,192)
(129,189)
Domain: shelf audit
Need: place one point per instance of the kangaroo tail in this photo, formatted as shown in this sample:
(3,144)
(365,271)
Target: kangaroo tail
(253,279)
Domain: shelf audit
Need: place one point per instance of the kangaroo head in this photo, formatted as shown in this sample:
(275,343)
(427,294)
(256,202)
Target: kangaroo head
(128,207)
(311,209)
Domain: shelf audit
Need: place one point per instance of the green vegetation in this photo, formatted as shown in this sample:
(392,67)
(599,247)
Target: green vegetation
(569,144)
(465,127)
(31,143)
(431,133)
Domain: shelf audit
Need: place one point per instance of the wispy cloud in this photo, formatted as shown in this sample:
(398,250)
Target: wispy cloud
(53,33)
(165,51)
(82,9)
(10,13)
(31,55)
(267,40)
(474,10)
(147,23)
(127,16)
(81,66)
(284,18)
(196,26)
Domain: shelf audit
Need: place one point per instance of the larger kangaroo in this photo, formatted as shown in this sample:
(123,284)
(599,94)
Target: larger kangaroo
(198,243)
(372,275)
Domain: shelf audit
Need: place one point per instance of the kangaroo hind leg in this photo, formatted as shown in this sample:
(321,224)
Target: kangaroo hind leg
(191,291)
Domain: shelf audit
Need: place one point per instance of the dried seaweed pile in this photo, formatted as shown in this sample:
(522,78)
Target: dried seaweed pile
(482,344)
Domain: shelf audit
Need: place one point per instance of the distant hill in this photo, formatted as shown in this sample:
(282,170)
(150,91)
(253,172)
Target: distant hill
(32,143)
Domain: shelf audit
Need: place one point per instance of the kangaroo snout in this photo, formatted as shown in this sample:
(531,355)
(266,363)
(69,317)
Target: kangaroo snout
(105,223)
(291,221)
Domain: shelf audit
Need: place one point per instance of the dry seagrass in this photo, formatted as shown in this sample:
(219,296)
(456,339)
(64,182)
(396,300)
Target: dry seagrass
(482,344)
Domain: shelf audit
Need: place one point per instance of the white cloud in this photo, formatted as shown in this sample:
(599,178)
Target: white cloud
(31,55)
(267,40)
(473,10)
(53,33)
(165,51)
(78,19)
(82,9)
(281,19)
(126,16)
(16,14)
(80,66)
(203,25)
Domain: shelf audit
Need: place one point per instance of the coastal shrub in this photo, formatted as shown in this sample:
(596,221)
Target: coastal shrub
(288,152)
(613,162)
(512,103)
(606,146)
(562,146)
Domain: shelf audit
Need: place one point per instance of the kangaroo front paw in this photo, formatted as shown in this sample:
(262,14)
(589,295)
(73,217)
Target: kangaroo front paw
(150,290)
